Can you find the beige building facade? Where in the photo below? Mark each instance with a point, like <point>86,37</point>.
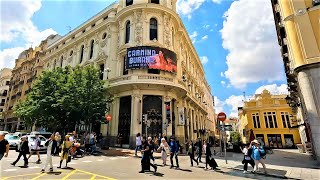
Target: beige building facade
<point>150,66</point>
<point>297,24</point>
<point>5,76</point>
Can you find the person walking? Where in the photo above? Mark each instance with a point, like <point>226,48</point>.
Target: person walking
<point>209,159</point>
<point>190,150</point>
<point>174,149</point>
<point>36,148</point>
<point>138,143</point>
<point>51,145</point>
<point>145,160</point>
<point>152,148</point>
<point>23,150</point>
<point>164,148</point>
<point>58,140</point>
<point>247,158</point>
<point>198,145</point>
<point>66,145</point>
<point>4,146</point>
<point>258,155</point>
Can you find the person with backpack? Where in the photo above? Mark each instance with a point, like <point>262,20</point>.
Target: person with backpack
<point>247,158</point>
<point>36,148</point>
<point>258,155</point>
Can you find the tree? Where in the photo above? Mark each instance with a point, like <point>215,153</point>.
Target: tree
<point>235,137</point>
<point>64,97</point>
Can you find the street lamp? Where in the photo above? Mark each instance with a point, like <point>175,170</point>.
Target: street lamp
<point>107,70</point>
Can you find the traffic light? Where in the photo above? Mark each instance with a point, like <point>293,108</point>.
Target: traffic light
<point>144,118</point>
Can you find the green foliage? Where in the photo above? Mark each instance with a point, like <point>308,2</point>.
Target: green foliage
<point>236,137</point>
<point>62,98</point>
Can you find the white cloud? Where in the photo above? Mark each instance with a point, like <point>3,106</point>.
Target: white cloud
<point>221,74</point>
<point>249,35</point>
<point>218,105</point>
<point>205,37</point>
<point>193,36</point>
<point>207,26</point>
<point>204,59</point>
<point>186,7</point>
<point>16,25</point>
<point>273,88</point>
<point>234,102</point>
<point>217,1</point>
<point>223,82</point>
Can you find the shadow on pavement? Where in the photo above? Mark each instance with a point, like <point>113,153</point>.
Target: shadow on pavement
<point>54,173</point>
<point>270,171</point>
<point>155,174</point>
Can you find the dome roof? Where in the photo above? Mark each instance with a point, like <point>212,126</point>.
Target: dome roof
<point>22,55</point>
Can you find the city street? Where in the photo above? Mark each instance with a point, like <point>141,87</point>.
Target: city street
<point>108,166</point>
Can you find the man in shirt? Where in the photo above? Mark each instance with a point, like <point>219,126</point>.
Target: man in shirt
<point>4,146</point>
<point>51,147</point>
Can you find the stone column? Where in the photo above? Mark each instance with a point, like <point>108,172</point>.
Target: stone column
<point>136,126</point>
<point>113,126</point>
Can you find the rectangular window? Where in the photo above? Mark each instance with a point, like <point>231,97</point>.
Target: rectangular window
<point>285,117</point>
<point>266,120</point>
<point>270,120</point>
<point>256,120</point>
<point>7,82</point>
<point>125,70</point>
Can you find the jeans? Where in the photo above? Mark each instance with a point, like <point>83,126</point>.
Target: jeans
<point>24,158</point>
<point>49,161</point>
<point>138,147</point>
<point>199,156</point>
<point>171,158</point>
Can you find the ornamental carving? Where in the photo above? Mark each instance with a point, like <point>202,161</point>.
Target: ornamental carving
<point>166,25</point>
<point>138,28</point>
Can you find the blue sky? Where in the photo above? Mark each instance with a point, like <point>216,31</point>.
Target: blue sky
<point>236,40</point>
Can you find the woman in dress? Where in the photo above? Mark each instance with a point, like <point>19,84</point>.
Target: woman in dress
<point>164,147</point>
<point>66,145</point>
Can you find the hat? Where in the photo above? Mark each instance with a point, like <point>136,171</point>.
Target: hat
<point>256,141</point>
<point>149,138</point>
<point>2,133</point>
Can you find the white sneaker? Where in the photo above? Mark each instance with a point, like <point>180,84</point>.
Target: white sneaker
<point>245,172</point>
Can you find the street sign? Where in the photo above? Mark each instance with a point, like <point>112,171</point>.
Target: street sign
<point>222,116</point>
<point>108,117</point>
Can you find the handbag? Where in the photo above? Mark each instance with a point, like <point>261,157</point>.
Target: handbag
<point>69,158</point>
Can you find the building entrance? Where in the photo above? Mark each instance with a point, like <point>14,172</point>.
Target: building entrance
<point>124,120</point>
<point>152,106</point>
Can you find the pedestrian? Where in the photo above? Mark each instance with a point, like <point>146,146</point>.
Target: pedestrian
<point>152,148</point>
<point>87,142</point>
<point>23,150</point>
<point>51,145</point>
<point>174,149</point>
<point>4,146</point>
<point>209,159</point>
<point>138,143</point>
<point>58,140</point>
<point>156,142</point>
<point>93,142</point>
<point>145,160</point>
<point>164,148</point>
<point>36,148</point>
<point>65,152</point>
<point>199,147</point>
<point>247,158</point>
<point>258,154</point>
<point>164,136</point>
<point>190,150</point>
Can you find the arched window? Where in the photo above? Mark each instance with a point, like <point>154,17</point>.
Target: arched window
<point>61,61</point>
<point>91,49</point>
<point>81,53</point>
<point>127,32</point>
<point>153,29</point>
<point>155,1</point>
<point>129,2</point>
<point>54,63</point>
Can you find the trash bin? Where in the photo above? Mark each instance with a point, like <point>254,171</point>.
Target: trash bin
<point>301,148</point>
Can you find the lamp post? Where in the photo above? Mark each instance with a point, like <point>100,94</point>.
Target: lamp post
<point>107,70</point>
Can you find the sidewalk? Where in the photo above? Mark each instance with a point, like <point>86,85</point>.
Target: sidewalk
<point>280,164</point>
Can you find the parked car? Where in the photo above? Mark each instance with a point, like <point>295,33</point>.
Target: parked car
<point>45,134</point>
<point>20,134</point>
<point>13,140</point>
<point>31,139</point>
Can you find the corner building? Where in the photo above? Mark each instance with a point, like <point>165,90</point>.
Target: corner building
<point>150,66</point>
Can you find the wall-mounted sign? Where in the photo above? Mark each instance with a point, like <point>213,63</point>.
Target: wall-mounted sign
<point>181,116</point>
<point>150,57</point>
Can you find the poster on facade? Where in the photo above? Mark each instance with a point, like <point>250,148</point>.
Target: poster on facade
<point>150,57</point>
<point>181,121</point>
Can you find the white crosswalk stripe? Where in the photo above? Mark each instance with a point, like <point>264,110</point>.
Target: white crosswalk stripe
<point>113,158</point>
<point>7,170</point>
<point>100,160</point>
<point>86,161</point>
<point>34,167</point>
<point>72,163</point>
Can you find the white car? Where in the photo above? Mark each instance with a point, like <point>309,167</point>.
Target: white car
<point>13,140</point>
<point>31,139</point>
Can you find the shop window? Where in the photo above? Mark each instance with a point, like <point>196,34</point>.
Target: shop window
<point>81,53</point>
<point>275,140</point>
<point>129,2</point>
<point>127,32</point>
<point>153,29</point>
<point>91,49</point>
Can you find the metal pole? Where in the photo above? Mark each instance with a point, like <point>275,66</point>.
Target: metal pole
<point>224,144</point>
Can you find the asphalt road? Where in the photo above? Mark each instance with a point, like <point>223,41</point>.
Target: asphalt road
<point>113,167</point>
